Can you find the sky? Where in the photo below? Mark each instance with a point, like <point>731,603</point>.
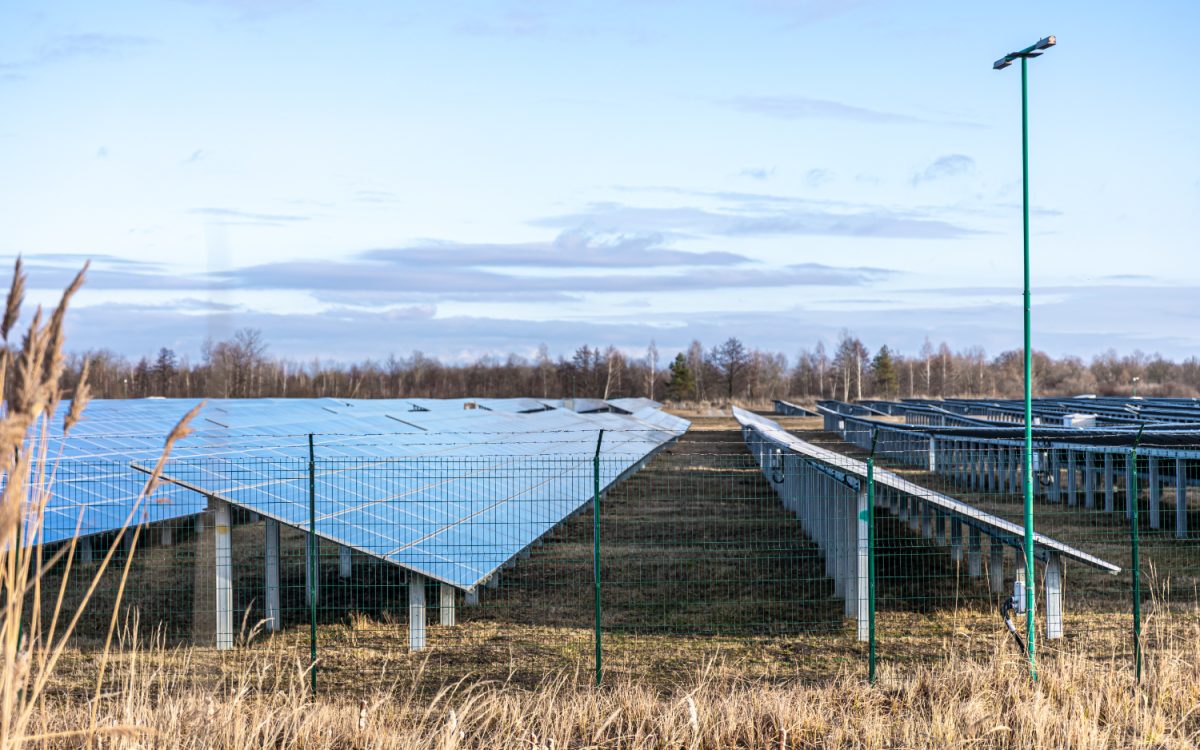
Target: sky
<point>363,179</point>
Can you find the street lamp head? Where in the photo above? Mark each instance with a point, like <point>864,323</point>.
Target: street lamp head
<point>1030,51</point>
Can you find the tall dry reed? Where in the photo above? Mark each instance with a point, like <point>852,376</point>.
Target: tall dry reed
<point>30,646</point>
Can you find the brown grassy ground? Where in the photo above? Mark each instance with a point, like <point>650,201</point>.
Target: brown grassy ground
<point>957,703</point>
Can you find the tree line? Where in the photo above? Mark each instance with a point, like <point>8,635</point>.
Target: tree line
<point>242,367</point>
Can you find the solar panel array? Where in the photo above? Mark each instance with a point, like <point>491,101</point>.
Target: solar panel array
<point>451,489</point>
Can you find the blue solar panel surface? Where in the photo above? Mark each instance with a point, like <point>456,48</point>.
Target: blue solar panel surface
<point>452,489</point>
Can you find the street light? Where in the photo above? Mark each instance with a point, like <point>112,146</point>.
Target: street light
<point>1033,50</point>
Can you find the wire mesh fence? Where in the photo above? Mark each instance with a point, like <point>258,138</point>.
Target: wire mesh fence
<point>789,550</point>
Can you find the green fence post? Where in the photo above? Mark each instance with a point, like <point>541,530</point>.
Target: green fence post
<point>596,550</point>
<point>1135,562</point>
<point>871,558</point>
<point>313,565</point>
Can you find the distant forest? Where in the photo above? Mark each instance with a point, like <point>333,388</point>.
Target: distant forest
<point>243,367</point>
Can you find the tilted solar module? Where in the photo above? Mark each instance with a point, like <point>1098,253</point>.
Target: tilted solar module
<point>447,491</point>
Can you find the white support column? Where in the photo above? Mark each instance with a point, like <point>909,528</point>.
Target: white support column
<point>995,566</point>
<point>199,524</point>
<point>1054,597</point>
<point>975,552</point>
<point>166,537</point>
<point>1089,480</point>
<point>926,521</point>
<point>1155,495</point>
<point>939,526</point>
<point>416,611</point>
<point>1072,479</point>
<point>1130,497</point>
<point>956,544</point>
<point>1053,491</point>
<point>914,513</point>
<point>224,574</point>
<point>345,562</point>
<point>846,530</point>
<point>991,470</point>
<point>1002,487</point>
<point>1015,470</point>
<point>446,614</point>
<point>271,559</point>
<point>1019,580</point>
<point>1109,483</point>
<point>1181,521</point>
<point>933,448</point>
<point>862,566</point>
<point>86,554</point>
<point>471,598</point>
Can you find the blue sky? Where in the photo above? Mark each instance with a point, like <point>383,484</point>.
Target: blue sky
<point>358,179</point>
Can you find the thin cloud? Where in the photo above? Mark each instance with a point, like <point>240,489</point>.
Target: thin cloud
<point>570,249</point>
<point>950,165</point>
<point>234,216</point>
<point>803,219</point>
<point>805,108</point>
<point>66,47</point>
<point>802,108</point>
<point>758,173</point>
<point>371,277</point>
<point>818,177</point>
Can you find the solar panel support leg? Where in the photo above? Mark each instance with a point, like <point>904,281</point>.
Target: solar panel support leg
<point>416,611</point>
<point>862,567</point>
<point>933,462</point>
<point>446,615</point>
<point>1054,491</point>
<point>471,598</point>
<point>1014,471</point>
<point>926,521</point>
<point>1089,480</point>
<point>271,573</point>
<point>1054,597</point>
<point>1019,581</point>
<point>165,537</point>
<point>848,539</point>
<point>995,565</point>
<point>224,574</point>
<point>345,562</point>
<point>1072,478</point>
<point>956,545</point>
<point>1155,495</point>
<point>1181,523</point>
<point>974,552</point>
<point>1130,497</point>
<point>1109,483</point>
<point>85,550</point>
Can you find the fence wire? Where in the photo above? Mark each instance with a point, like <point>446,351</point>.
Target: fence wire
<point>725,551</point>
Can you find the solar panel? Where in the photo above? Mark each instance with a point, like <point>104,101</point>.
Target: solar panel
<point>447,491</point>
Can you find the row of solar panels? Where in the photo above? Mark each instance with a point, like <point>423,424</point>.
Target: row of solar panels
<point>450,489</point>
<point>1109,411</point>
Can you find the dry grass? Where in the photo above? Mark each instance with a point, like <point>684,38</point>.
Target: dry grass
<point>978,703</point>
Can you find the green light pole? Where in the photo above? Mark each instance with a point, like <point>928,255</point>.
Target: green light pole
<point>1033,50</point>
